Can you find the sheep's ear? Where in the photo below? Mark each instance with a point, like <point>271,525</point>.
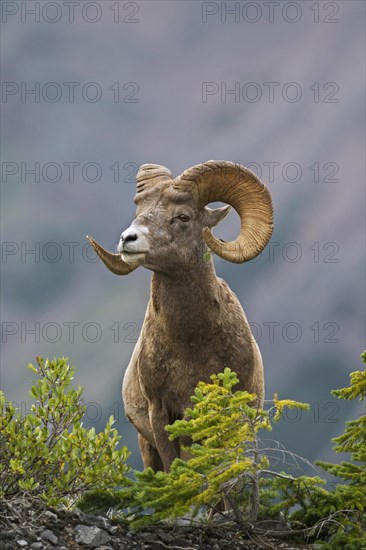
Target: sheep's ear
<point>214,216</point>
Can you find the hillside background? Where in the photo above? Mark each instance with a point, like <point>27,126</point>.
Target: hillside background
<point>307,286</point>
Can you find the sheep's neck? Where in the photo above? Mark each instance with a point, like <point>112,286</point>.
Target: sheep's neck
<point>187,304</point>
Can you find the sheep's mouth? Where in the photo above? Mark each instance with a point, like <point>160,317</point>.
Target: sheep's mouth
<point>133,256</point>
<point>133,252</point>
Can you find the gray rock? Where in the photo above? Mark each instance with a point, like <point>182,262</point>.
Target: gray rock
<point>91,535</point>
<point>36,546</point>
<point>48,536</point>
<point>50,515</point>
<point>182,521</point>
<point>183,543</point>
<point>99,521</point>
<point>104,521</point>
<point>166,537</point>
<point>25,532</point>
<point>22,543</point>
<point>147,537</point>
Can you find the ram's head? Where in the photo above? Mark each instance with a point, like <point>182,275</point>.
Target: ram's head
<point>173,224</point>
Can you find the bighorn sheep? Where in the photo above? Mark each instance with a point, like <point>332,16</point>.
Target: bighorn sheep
<point>194,324</point>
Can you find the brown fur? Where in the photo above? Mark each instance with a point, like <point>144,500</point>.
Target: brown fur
<point>194,325</point>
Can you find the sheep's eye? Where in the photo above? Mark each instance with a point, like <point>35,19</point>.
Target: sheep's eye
<point>184,218</point>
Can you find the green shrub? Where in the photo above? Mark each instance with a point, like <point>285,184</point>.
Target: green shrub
<point>336,519</point>
<point>226,464</point>
<point>346,505</point>
<point>47,454</point>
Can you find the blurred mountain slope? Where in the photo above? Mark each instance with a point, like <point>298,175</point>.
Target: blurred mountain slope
<point>169,54</point>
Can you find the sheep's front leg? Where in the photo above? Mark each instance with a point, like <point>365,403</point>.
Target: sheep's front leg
<point>149,454</point>
<point>168,450</point>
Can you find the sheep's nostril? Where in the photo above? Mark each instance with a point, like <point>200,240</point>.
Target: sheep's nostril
<point>129,238</point>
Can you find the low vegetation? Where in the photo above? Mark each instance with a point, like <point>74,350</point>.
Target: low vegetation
<point>48,459</point>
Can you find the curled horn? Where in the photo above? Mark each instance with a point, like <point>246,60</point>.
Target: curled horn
<point>151,176</point>
<point>148,177</point>
<point>114,262</point>
<point>236,185</point>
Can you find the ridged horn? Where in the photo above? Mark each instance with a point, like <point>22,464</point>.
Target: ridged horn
<point>114,262</point>
<point>232,183</point>
<point>151,175</point>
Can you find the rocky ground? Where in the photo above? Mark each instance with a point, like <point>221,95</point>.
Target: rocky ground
<point>76,530</point>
